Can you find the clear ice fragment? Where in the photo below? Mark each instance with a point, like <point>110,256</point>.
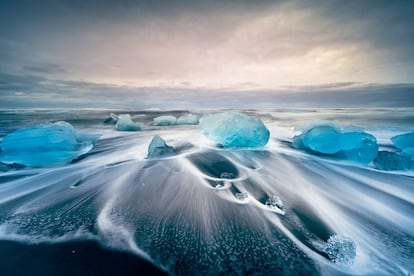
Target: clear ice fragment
<point>241,195</point>
<point>125,123</point>
<point>45,145</point>
<point>158,148</point>
<point>165,120</point>
<point>227,175</point>
<point>340,249</point>
<point>189,119</point>
<point>405,143</point>
<point>233,129</point>
<point>393,161</point>
<point>327,138</point>
<point>274,202</point>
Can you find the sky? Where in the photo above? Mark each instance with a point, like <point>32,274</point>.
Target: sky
<point>217,53</point>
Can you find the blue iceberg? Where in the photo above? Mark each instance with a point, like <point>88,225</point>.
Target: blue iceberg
<point>166,120</point>
<point>125,123</point>
<point>45,145</point>
<point>189,119</point>
<point>232,129</point>
<point>340,249</point>
<point>405,143</point>
<point>158,148</point>
<point>328,138</point>
<point>393,161</point>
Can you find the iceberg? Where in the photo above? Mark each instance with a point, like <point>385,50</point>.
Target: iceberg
<point>189,119</point>
<point>328,138</point>
<point>405,143</point>
<point>125,123</point>
<point>340,249</point>
<point>233,129</point>
<point>45,145</point>
<point>158,148</point>
<point>393,161</point>
<point>165,120</point>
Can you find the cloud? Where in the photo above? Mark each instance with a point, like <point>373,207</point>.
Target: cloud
<point>44,68</point>
<point>32,91</point>
<point>216,43</point>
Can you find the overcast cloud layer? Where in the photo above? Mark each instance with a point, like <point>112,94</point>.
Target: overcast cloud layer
<point>207,53</point>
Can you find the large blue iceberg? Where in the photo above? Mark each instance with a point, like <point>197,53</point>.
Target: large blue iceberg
<point>405,143</point>
<point>125,123</point>
<point>232,129</point>
<point>328,138</point>
<point>45,145</point>
<point>158,148</point>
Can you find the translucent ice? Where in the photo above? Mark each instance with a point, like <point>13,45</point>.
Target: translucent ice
<point>45,145</point>
<point>241,195</point>
<point>189,119</point>
<point>125,123</point>
<point>340,249</point>
<point>391,161</point>
<point>328,138</point>
<point>274,202</point>
<point>232,129</point>
<point>404,142</point>
<point>227,175</point>
<point>166,120</point>
<point>112,119</point>
<point>158,148</point>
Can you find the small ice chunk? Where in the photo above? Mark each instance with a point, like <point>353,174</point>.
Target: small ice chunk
<point>274,202</point>
<point>189,119</point>
<point>112,119</point>
<point>233,129</point>
<point>327,138</point>
<point>45,145</point>
<point>340,249</point>
<point>393,161</point>
<point>125,123</point>
<point>158,148</point>
<point>241,195</point>
<point>227,175</point>
<point>7,167</point>
<point>405,143</point>
<point>166,120</point>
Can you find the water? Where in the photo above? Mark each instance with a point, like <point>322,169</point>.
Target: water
<point>211,210</point>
